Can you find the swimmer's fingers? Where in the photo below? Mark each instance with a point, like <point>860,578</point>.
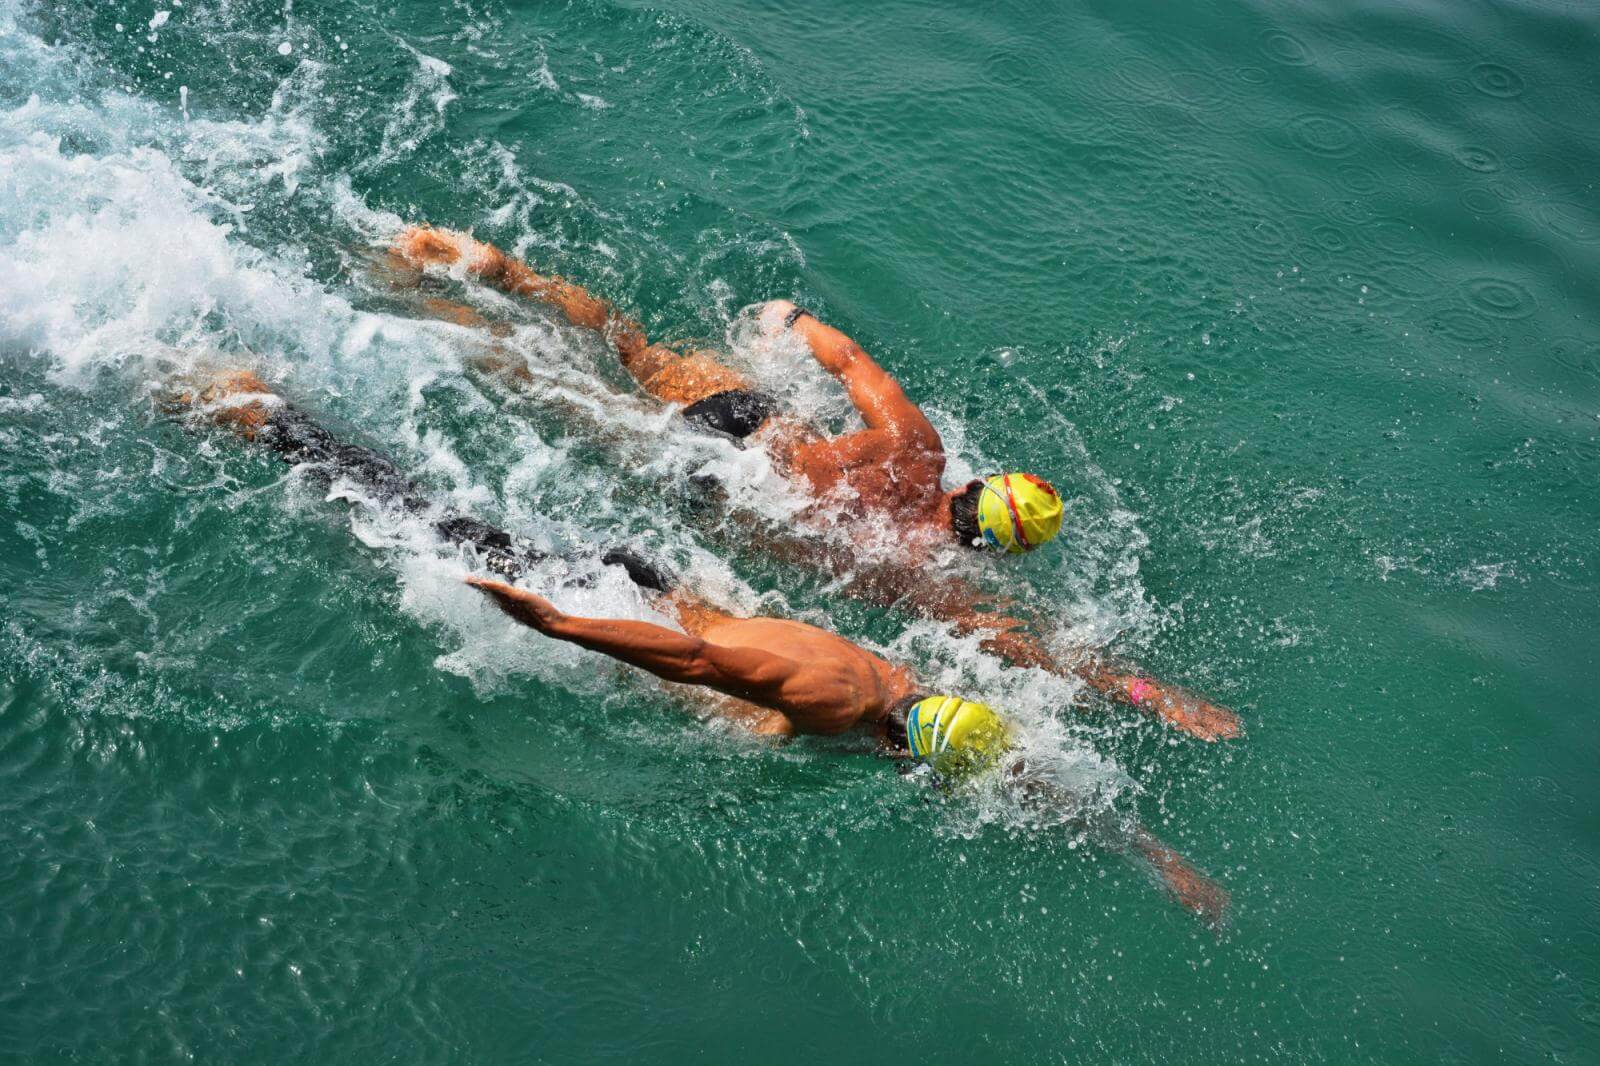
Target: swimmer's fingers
<point>423,246</point>
<point>526,607</point>
<point>1198,894</point>
<point>1197,717</point>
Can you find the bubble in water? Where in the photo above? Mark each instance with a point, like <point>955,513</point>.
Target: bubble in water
<point>1501,298</point>
<point>285,48</point>
<point>1492,79</point>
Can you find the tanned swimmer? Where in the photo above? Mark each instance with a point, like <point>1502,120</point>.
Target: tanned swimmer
<point>774,676</point>
<point>886,476</point>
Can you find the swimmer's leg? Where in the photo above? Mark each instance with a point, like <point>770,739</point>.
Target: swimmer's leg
<point>240,401</point>
<point>661,371</point>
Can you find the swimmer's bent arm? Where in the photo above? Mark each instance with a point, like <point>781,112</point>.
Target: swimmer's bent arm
<point>872,390</point>
<point>743,673</point>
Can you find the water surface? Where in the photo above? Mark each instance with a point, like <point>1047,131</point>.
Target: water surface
<point>1296,302</point>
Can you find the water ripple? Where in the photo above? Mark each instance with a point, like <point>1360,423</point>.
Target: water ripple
<point>1462,324</point>
<point>1577,356</point>
<point>1500,297</point>
<point>1285,48</point>
<point>1324,134</point>
<point>1569,219</point>
<point>1007,68</point>
<point>1495,80</point>
<point>1477,158</point>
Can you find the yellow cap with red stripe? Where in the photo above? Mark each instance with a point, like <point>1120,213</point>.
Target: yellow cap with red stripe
<point>1018,512</point>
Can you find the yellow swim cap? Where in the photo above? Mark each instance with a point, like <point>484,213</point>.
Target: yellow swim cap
<point>955,735</point>
<point>1018,512</point>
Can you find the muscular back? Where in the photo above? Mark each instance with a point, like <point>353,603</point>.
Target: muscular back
<point>837,684</point>
<point>874,472</point>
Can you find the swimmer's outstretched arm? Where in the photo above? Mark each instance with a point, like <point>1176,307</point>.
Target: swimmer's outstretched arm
<point>1191,888</point>
<point>1171,703</point>
<point>970,610</point>
<point>744,673</point>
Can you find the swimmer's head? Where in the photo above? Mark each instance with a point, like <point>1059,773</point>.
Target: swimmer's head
<point>1013,512</point>
<point>953,735</point>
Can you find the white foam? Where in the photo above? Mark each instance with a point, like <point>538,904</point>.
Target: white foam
<point>133,249</point>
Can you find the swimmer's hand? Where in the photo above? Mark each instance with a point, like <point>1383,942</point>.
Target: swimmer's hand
<point>1192,889</point>
<point>772,317</point>
<point>1186,711</point>
<point>531,610</point>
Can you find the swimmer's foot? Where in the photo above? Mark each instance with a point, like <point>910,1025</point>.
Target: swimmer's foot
<point>232,398</point>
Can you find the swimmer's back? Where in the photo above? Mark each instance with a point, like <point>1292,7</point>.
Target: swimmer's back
<point>840,684</point>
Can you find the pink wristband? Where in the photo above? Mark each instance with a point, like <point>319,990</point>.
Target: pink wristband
<point>1141,690</point>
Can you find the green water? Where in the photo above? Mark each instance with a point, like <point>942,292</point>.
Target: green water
<point>1296,302</point>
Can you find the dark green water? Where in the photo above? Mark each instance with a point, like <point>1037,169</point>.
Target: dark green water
<point>1297,302</point>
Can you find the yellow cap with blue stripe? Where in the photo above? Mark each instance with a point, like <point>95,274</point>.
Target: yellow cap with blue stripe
<point>954,735</point>
<point>1018,512</point>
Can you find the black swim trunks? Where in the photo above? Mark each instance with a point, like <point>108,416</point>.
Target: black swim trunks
<point>736,413</point>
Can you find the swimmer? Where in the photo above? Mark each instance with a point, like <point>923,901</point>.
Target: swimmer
<point>780,677</point>
<point>887,476</point>
<point>773,676</point>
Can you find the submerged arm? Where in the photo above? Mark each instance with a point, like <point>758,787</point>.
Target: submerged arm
<point>1193,890</point>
